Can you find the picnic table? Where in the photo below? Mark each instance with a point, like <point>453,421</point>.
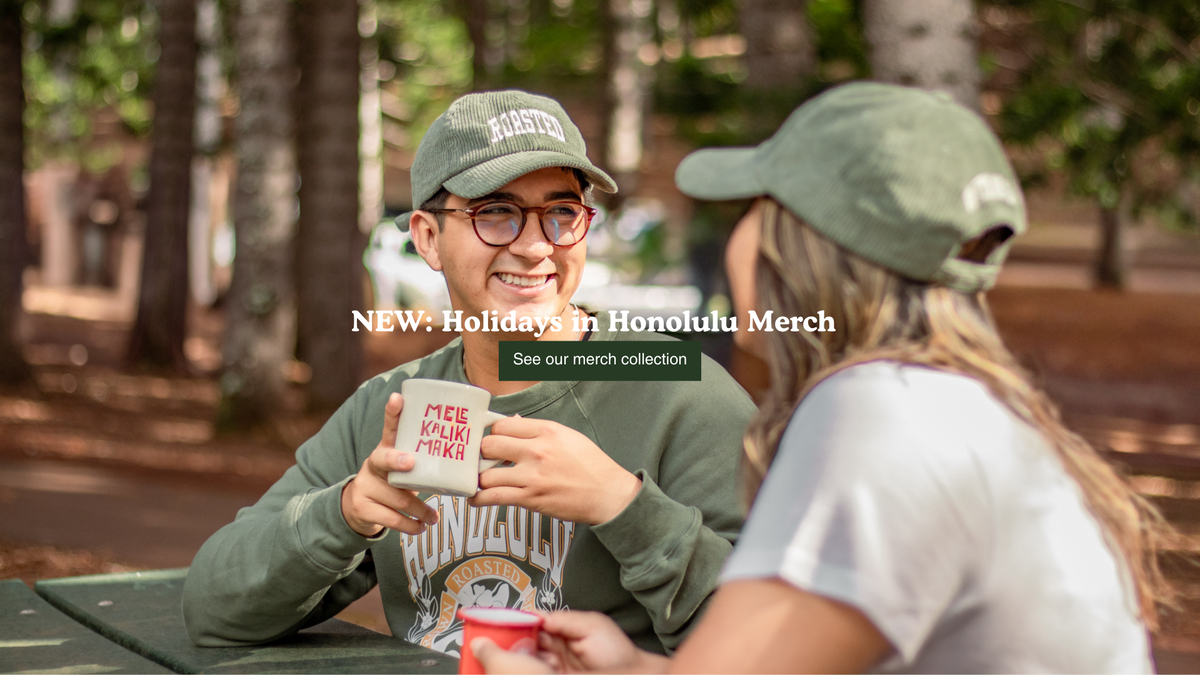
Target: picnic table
<point>132,623</point>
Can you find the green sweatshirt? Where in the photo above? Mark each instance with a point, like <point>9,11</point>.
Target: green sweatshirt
<point>291,560</point>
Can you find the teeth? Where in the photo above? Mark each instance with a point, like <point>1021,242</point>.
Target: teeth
<point>522,281</point>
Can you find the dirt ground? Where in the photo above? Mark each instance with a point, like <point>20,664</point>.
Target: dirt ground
<point>1124,367</point>
<point>1129,355</point>
<point>30,562</point>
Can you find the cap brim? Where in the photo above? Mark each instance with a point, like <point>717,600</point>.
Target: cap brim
<point>403,219</point>
<point>719,174</point>
<point>494,174</point>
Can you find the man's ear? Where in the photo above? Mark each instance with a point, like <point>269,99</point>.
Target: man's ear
<point>423,227</point>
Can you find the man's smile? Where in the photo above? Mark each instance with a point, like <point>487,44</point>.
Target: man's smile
<point>525,281</point>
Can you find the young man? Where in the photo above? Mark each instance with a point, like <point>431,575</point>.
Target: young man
<point>621,497</point>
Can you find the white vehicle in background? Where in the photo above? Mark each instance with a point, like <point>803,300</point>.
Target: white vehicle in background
<point>600,293</point>
<point>400,279</point>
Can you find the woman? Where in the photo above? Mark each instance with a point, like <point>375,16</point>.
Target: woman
<point>924,510</point>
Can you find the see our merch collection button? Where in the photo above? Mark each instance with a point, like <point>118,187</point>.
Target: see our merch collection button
<point>626,361</point>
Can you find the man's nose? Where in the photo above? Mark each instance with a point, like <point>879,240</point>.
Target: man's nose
<point>532,242</point>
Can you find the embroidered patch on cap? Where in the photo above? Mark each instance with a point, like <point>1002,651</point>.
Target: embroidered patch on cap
<point>988,187</point>
<point>525,121</point>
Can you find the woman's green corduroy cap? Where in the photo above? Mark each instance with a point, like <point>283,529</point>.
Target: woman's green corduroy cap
<point>900,176</point>
<point>487,140</point>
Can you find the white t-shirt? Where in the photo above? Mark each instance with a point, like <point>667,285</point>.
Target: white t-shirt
<point>914,496</point>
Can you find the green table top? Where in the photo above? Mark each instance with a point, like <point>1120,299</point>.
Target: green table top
<point>37,638</point>
<point>141,611</point>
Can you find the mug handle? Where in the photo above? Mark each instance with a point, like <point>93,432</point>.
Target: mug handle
<point>490,418</point>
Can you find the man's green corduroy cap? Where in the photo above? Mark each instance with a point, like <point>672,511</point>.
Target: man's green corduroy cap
<point>487,140</point>
<point>899,176</point>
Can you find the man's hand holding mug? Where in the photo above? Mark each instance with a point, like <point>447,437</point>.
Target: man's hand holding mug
<point>369,504</point>
<point>436,446</point>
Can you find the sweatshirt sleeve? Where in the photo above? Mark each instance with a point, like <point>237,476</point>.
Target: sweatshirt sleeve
<point>672,540</point>
<point>289,561</point>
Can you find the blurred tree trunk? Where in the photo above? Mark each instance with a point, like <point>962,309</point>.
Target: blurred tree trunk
<point>627,27</point>
<point>1111,268</point>
<point>541,12</point>
<point>13,244</point>
<point>61,252</point>
<point>260,333</point>
<point>370,115</point>
<point>779,44</point>
<point>780,59</point>
<point>474,14</point>
<point>210,87</point>
<point>925,43</point>
<point>329,245</point>
<point>516,30</point>
<point>161,324</point>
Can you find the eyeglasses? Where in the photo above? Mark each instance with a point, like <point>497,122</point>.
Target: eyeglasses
<point>500,223</point>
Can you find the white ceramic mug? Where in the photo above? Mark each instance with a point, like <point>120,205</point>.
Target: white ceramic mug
<point>442,423</point>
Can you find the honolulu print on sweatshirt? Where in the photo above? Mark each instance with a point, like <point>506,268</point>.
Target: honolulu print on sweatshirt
<point>495,556</point>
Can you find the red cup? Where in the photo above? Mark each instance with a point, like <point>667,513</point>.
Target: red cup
<point>511,629</point>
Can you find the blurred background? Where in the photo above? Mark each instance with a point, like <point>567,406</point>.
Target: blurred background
<point>196,194</point>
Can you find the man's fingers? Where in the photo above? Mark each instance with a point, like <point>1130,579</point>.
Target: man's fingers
<point>367,507</point>
<point>391,419</point>
<point>402,461</point>
<point>400,501</point>
<point>386,459</point>
<point>509,496</point>
<point>507,448</point>
<point>504,476</point>
<point>393,520</point>
<point>520,427</point>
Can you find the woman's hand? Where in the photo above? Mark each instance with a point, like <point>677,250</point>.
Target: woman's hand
<point>573,642</point>
<point>496,660</point>
<point>589,642</point>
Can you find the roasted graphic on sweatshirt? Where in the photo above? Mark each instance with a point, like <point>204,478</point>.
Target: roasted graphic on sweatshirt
<point>494,556</point>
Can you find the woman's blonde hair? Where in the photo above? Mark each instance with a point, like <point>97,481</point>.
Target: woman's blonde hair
<point>881,315</point>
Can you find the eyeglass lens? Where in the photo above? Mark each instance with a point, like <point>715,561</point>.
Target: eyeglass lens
<point>499,224</point>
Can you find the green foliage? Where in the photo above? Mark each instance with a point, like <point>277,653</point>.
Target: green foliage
<point>1111,98</point>
<point>95,64</point>
<point>431,55</point>
<point>706,96</point>
<point>703,101</point>
<point>709,17</point>
<point>556,47</point>
<point>560,54</point>
<point>712,108</point>
<point>649,255</point>
<point>841,47</point>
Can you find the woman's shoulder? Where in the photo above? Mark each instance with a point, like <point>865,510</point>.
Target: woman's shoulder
<point>886,377</point>
<point>885,413</point>
<point>889,390</point>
